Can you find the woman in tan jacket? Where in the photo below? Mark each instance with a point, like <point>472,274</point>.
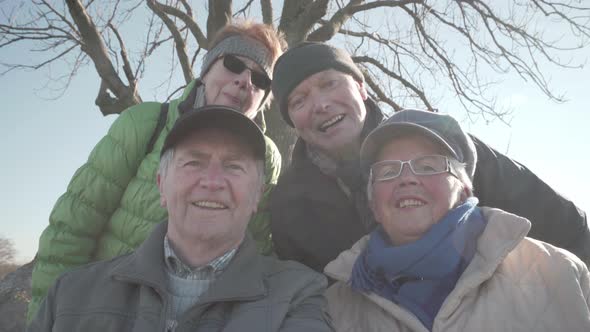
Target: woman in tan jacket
<point>438,262</point>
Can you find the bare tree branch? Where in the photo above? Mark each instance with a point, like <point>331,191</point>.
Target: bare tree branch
<point>378,4</point>
<point>39,65</point>
<point>179,43</point>
<point>266,6</point>
<point>299,17</point>
<point>58,14</point>
<point>244,9</point>
<point>188,20</point>
<point>411,51</point>
<point>175,92</point>
<point>126,66</point>
<point>220,13</point>
<point>331,28</point>
<point>93,45</point>
<point>380,95</point>
<point>397,77</point>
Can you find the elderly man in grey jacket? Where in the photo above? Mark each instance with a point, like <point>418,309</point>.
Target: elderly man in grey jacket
<point>199,271</point>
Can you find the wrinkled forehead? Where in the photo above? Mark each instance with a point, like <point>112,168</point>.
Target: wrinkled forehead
<point>218,141</point>
<point>314,81</point>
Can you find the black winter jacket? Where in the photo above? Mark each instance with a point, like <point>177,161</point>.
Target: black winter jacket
<point>312,220</point>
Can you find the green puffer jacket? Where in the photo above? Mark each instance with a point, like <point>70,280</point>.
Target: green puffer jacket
<point>112,202</point>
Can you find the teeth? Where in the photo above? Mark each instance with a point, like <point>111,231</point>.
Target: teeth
<point>330,122</point>
<point>209,205</point>
<point>409,203</point>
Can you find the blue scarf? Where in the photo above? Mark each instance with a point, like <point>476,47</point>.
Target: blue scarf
<point>420,275</point>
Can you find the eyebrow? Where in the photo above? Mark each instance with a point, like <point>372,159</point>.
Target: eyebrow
<point>231,156</point>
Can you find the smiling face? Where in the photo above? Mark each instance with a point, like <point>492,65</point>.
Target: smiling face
<point>328,112</point>
<point>223,87</point>
<point>409,205</point>
<point>210,188</point>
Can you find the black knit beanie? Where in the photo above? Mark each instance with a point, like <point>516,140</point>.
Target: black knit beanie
<point>304,60</point>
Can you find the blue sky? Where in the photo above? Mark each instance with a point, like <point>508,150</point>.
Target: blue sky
<point>44,141</point>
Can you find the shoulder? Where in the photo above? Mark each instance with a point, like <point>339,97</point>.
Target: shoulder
<point>273,161</point>
<point>547,260</point>
<point>294,187</point>
<point>140,117</point>
<point>270,145</point>
<point>504,244</point>
<point>272,151</point>
<point>141,111</point>
<point>280,273</point>
<point>301,175</point>
<point>342,300</point>
<point>354,311</point>
<point>275,267</point>
<point>543,278</point>
<point>523,260</point>
<point>94,275</point>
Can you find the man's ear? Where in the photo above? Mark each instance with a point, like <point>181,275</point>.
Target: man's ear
<point>363,90</point>
<point>159,182</point>
<point>259,194</point>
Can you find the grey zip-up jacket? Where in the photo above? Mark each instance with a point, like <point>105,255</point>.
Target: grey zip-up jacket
<point>128,293</point>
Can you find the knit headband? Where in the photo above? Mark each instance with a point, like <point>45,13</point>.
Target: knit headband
<point>243,46</point>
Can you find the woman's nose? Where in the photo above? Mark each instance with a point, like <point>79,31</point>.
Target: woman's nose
<point>407,176</point>
<point>244,79</point>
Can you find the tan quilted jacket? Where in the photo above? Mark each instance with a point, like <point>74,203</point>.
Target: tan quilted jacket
<point>513,283</point>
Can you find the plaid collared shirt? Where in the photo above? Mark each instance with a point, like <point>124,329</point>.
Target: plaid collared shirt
<point>207,272</point>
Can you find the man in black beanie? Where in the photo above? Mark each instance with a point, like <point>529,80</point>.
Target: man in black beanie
<point>319,207</point>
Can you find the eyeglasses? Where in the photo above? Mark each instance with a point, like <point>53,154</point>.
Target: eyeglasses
<point>425,165</point>
<point>237,66</point>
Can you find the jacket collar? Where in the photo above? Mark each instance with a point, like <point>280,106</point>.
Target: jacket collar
<point>502,234</point>
<point>188,96</point>
<point>341,267</point>
<point>242,279</point>
<point>146,264</point>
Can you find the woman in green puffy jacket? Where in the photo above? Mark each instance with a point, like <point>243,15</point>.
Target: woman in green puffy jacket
<point>112,201</point>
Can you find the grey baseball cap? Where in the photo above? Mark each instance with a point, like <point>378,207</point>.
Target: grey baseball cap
<point>221,117</point>
<point>441,128</point>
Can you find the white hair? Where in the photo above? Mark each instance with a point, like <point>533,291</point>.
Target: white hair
<point>165,161</point>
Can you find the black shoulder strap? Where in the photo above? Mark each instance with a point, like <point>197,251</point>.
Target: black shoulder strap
<point>159,127</point>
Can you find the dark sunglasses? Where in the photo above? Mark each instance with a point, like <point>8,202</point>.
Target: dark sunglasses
<point>237,66</point>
